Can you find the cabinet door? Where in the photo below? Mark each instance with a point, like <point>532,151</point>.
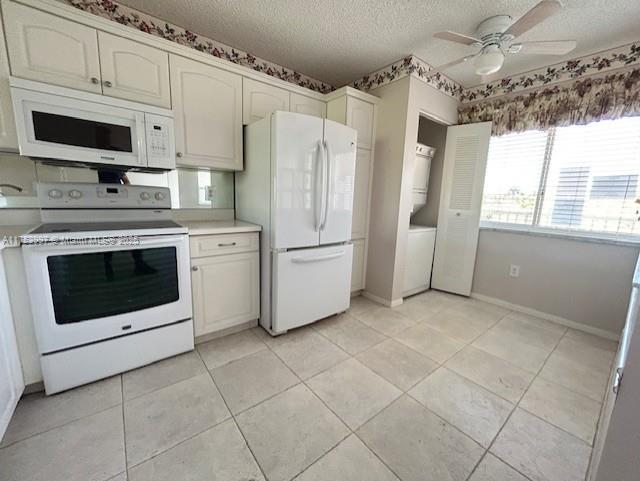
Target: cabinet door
<point>307,105</point>
<point>51,49</point>
<point>360,117</point>
<point>8,137</point>
<point>133,71</point>
<point>359,227</point>
<point>11,380</point>
<point>465,162</point>
<point>357,269</point>
<point>225,291</point>
<point>259,100</point>
<point>207,104</point>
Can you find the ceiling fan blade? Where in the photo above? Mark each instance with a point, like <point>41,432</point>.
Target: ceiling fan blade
<point>552,47</point>
<point>533,17</point>
<point>445,66</point>
<point>456,37</point>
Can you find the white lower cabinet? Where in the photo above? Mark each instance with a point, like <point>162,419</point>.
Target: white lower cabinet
<point>357,269</point>
<point>225,286</point>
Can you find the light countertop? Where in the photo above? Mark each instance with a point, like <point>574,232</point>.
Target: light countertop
<point>219,227</point>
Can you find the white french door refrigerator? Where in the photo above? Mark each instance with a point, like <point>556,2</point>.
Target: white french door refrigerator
<point>298,185</point>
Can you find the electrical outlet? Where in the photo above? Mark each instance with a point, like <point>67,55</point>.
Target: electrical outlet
<point>514,271</point>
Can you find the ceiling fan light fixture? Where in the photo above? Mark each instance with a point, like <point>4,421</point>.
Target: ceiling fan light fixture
<point>489,61</point>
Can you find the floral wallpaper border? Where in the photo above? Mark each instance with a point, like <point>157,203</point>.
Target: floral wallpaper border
<point>574,69</point>
<point>410,65</point>
<point>146,23</point>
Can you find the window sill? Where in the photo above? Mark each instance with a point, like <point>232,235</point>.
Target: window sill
<point>561,234</point>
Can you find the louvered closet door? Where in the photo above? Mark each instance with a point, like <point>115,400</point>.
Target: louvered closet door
<point>460,202</point>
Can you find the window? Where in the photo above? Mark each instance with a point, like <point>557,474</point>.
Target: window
<point>581,178</point>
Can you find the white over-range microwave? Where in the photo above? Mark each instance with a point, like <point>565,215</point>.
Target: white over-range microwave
<point>70,125</point>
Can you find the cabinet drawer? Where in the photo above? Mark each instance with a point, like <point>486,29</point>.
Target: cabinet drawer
<point>220,244</point>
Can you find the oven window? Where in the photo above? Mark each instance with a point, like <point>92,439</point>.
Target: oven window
<point>90,286</point>
<point>61,129</point>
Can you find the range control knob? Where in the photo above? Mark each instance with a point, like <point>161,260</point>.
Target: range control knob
<point>145,196</point>
<point>55,193</point>
<point>75,194</point>
<point>159,196</point>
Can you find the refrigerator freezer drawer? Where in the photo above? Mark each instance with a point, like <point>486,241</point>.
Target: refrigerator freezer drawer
<point>310,284</point>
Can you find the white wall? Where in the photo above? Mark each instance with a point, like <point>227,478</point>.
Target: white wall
<point>581,281</point>
<point>402,103</point>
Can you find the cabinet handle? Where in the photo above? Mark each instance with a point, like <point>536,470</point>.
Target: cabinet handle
<point>107,83</point>
<point>178,154</point>
<point>94,80</point>
<point>194,268</point>
<point>228,244</point>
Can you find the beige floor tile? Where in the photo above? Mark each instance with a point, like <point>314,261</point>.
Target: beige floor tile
<point>161,374</point>
<point>89,449</point>
<point>384,320</point>
<point>349,333</point>
<point>290,431</point>
<point>398,364</point>
<point>513,348</point>
<point>119,477</point>
<point>252,379</point>
<point>219,454</point>
<point>586,353</point>
<point>568,410</point>
<point>541,451</point>
<point>229,348</point>
<point>161,419</point>
<point>353,392</point>
<point>492,469</point>
<point>361,304</point>
<point>37,413</point>
<point>495,374</point>
<point>430,342</point>
<point>419,446</point>
<point>351,460</point>
<point>479,311</point>
<point>576,376</point>
<point>532,330</point>
<point>467,406</point>
<point>308,353</point>
<point>455,325</point>
<point>594,341</point>
<point>418,307</point>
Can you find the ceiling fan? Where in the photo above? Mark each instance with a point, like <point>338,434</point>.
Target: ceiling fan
<point>495,38</point>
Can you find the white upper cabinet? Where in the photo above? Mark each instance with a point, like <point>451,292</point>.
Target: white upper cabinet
<point>361,194</point>
<point>50,49</point>
<point>360,117</point>
<point>133,71</point>
<point>306,105</point>
<point>8,137</point>
<point>207,104</point>
<point>260,99</point>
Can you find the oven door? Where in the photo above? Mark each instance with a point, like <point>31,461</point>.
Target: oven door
<point>81,295</point>
<point>57,127</point>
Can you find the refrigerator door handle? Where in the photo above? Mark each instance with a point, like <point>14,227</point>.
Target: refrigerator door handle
<point>318,197</point>
<point>327,181</point>
<point>326,257</point>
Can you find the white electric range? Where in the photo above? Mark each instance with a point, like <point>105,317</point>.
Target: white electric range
<point>109,281</point>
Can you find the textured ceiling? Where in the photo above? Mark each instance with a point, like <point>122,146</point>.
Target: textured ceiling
<point>338,41</point>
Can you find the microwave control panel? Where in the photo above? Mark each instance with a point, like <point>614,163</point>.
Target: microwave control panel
<point>160,139</point>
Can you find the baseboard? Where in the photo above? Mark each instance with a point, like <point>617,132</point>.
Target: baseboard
<point>381,300</point>
<point>548,317</point>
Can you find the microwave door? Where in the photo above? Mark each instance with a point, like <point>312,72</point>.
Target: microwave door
<point>76,130</point>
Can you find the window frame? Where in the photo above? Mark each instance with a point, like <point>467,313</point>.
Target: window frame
<point>534,228</point>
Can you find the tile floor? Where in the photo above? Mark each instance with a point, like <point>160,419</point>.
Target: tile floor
<point>441,388</point>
